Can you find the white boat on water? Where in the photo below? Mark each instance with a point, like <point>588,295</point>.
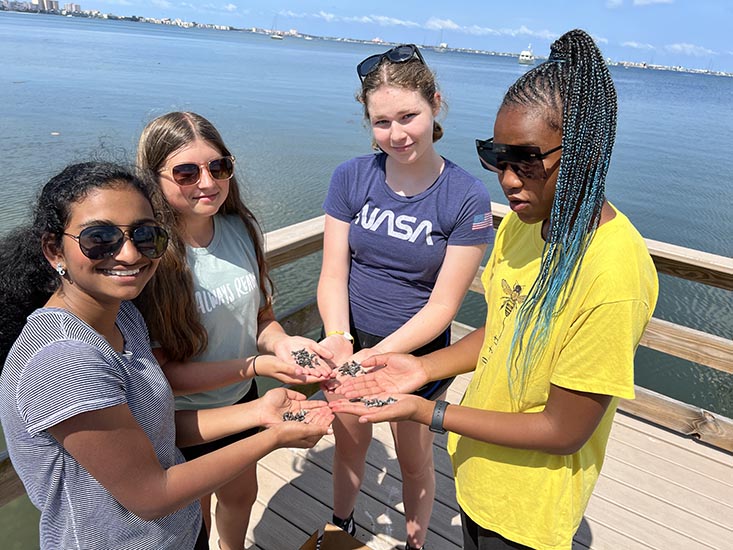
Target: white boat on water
<point>526,57</point>
<point>274,34</point>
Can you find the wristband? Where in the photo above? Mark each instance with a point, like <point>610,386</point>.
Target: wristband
<point>343,333</point>
<point>436,424</point>
<point>254,362</point>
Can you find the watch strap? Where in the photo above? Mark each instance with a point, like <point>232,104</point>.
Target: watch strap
<point>436,424</point>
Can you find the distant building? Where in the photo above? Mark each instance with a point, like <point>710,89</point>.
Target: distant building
<point>44,5</point>
<point>72,8</point>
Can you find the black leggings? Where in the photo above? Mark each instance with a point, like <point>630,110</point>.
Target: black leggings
<point>205,448</point>
<point>431,390</point>
<point>476,537</point>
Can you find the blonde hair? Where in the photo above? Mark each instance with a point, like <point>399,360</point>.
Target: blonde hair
<point>167,303</point>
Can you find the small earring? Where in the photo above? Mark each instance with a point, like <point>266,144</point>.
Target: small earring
<point>60,269</point>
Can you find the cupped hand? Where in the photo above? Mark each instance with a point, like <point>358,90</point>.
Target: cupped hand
<point>387,373</point>
<point>287,348</point>
<point>407,407</point>
<point>304,434</point>
<point>278,401</point>
<point>288,372</point>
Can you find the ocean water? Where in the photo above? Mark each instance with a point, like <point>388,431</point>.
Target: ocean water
<point>74,89</point>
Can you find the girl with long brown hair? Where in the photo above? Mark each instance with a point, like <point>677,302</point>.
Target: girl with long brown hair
<point>210,307</point>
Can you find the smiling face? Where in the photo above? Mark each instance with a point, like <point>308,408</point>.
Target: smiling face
<point>402,122</point>
<point>110,280</point>
<point>531,199</point>
<point>202,199</point>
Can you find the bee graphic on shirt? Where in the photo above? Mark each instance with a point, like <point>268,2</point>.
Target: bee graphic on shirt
<point>512,297</point>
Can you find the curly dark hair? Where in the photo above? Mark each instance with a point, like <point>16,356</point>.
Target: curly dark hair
<point>26,277</point>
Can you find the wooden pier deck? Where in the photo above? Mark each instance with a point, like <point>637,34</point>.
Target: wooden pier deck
<point>658,490</point>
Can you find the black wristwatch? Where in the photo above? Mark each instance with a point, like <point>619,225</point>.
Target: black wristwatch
<point>436,424</point>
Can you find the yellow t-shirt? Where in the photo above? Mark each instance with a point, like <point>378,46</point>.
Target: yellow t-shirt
<point>532,497</point>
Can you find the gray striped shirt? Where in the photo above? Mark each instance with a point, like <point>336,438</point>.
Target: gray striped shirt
<point>60,367</point>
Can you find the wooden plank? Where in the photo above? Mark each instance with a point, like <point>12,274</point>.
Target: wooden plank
<point>379,519</point>
<point>668,487</point>
<point>276,476</point>
<point>639,446</point>
<point>690,344</point>
<point>382,481</point>
<point>382,434</point>
<point>651,515</point>
<point>270,531</point>
<point>690,264</point>
<point>662,476</point>
<point>681,417</point>
<point>624,422</point>
<point>627,530</point>
<point>599,535</point>
<point>295,241</point>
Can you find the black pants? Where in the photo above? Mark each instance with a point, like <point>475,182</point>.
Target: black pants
<point>205,448</point>
<point>431,390</point>
<point>476,537</point>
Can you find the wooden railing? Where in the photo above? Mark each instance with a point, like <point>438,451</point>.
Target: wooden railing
<point>299,240</point>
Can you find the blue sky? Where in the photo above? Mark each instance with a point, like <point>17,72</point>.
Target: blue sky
<point>691,33</point>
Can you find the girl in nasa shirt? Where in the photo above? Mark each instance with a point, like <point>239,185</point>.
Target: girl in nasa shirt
<point>405,232</point>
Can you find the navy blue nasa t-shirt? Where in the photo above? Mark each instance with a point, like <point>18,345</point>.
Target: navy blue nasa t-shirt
<point>398,243</point>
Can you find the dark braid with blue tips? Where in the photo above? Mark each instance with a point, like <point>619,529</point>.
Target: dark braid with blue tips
<point>574,92</point>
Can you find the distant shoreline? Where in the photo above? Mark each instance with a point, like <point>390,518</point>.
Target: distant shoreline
<point>95,14</point>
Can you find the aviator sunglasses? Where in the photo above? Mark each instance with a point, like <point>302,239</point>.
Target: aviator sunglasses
<point>189,173</point>
<point>524,160</point>
<point>102,241</point>
<point>398,54</point>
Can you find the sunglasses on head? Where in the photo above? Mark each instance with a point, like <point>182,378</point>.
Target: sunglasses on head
<point>524,160</point>
<point>102,241</point>
<point>398,54</point>
<point>189,173</point>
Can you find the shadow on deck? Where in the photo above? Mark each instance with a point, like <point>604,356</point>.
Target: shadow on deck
<point>657,490</point>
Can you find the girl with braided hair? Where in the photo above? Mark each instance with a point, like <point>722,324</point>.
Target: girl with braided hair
<point>570,288</point>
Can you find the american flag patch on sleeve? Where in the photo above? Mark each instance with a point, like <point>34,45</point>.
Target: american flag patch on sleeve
<point>482,221</point>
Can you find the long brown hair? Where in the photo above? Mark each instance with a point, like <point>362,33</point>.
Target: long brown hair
<point>167,303</point>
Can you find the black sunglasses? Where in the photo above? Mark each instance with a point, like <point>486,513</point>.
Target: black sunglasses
<point>524,160</point>
<point>398,54</point>
<point>190,172</point>
<point>102,241</point>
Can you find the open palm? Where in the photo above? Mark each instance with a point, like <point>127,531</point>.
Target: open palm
<point>388,373</point>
